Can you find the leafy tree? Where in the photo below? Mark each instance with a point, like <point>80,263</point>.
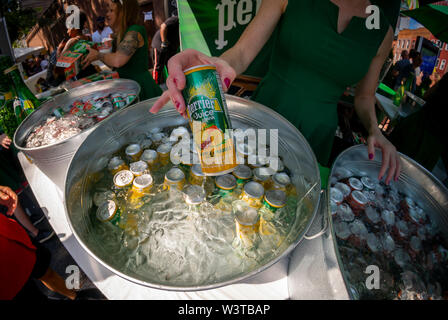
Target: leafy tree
<point>19,20</point>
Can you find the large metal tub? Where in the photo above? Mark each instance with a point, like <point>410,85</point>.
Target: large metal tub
<point>419,183</point>
<point>323,275</point>
<point>58,155</point>
<point>120,129</point>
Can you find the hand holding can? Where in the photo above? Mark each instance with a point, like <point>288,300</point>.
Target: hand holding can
<point>176,81</point>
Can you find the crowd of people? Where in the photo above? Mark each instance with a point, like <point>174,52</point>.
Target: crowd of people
<point>35,65</point>
<point>408,69</point>
<point>420,136</point>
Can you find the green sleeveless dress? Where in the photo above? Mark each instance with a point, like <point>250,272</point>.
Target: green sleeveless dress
<point>137,68</point>
<point>312,64</point>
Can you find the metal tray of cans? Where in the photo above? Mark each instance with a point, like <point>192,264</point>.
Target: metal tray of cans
<point>45,157</point>
<point>414,181</point>
<point>121,129</point>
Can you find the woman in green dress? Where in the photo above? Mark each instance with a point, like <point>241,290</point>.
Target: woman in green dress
<point>320,48</point>
<point>131,57</point>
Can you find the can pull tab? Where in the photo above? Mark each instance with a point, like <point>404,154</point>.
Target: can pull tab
<point>320,213</point>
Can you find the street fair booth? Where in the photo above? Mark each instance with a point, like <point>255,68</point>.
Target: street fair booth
<point>129,197</point>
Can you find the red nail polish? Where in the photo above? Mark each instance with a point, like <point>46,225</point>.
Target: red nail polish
<point>175,81</point>
<point>370,156</point>
<point>177,105</point>
<point>227,82</point>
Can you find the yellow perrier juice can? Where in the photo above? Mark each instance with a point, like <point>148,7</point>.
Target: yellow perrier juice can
<point>209,120</point>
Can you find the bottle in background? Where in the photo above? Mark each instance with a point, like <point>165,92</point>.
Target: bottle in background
<point>409,86</point>
<point>25,101</point>
<point>398,98</point>
<point>8,122</point>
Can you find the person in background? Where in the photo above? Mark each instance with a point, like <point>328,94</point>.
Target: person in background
<point>102,32</point>
<point>28,67</point>
<point>75,35</point>
<point>404,56</point>
<point>421,136</point>
<point>22,261</point>
<point>426,84</point>
<point>19,213</point>
<point>131,57</point>
<point>86,30</point>
<point>164,45</point>
<point>435,78</point>
<point>406,68</point>
<point>55,75</point>
<point>36,64</point>
<point>416,72</point>
<point>41,85</point>
<point>400,64</point>
<point>44,62</point>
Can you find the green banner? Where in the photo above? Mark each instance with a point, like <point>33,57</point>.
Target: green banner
<point>213,26</point>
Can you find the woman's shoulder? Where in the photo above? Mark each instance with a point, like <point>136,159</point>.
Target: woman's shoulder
<point>138,28</point>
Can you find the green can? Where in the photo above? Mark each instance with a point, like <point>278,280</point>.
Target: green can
<point>109,212</point>
<point>274,200</point>
<point>209,120</point>
<point>242,174</point>
<point>226,185</point>
<point>118,101</point>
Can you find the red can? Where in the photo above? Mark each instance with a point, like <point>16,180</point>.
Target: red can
<point>76,111</point>
<point>87,106</point>
<point>357,201</point>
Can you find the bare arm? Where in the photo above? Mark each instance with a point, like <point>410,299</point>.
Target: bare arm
<point>255,35</point>
<point>69,44</point>
<point>365,108</point>
<point>127,47</point>
<point>366,89</point>
<point>232,62</point>
<point>163,32</point>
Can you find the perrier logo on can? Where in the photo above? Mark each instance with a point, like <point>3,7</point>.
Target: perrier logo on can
<point>209,120</point>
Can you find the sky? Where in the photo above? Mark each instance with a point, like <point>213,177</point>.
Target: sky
<point>414,24</point>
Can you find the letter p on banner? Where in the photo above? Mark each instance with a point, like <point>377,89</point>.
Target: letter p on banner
<point>72,21</point>
<point>72,281</point>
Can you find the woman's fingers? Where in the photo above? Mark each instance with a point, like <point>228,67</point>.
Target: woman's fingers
<point>225,71</point>
<point>178,63</point>
<point>175,94</point>
<point>171,94</point>
<point>88,58</point>
<point>4,196</point>
<point>391,160</point>
<point>392,168</point>
<point>11,208</point>
<point>85,62</point>
<point>176,81</point>
<point>371,148</point>
<point>9,199</point>
<point>385,164</point>
<point>163,99</point>
<point>398,169</point>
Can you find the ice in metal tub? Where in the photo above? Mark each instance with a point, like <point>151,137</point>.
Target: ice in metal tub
<point>58,155</point>
<point>122,128</point>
